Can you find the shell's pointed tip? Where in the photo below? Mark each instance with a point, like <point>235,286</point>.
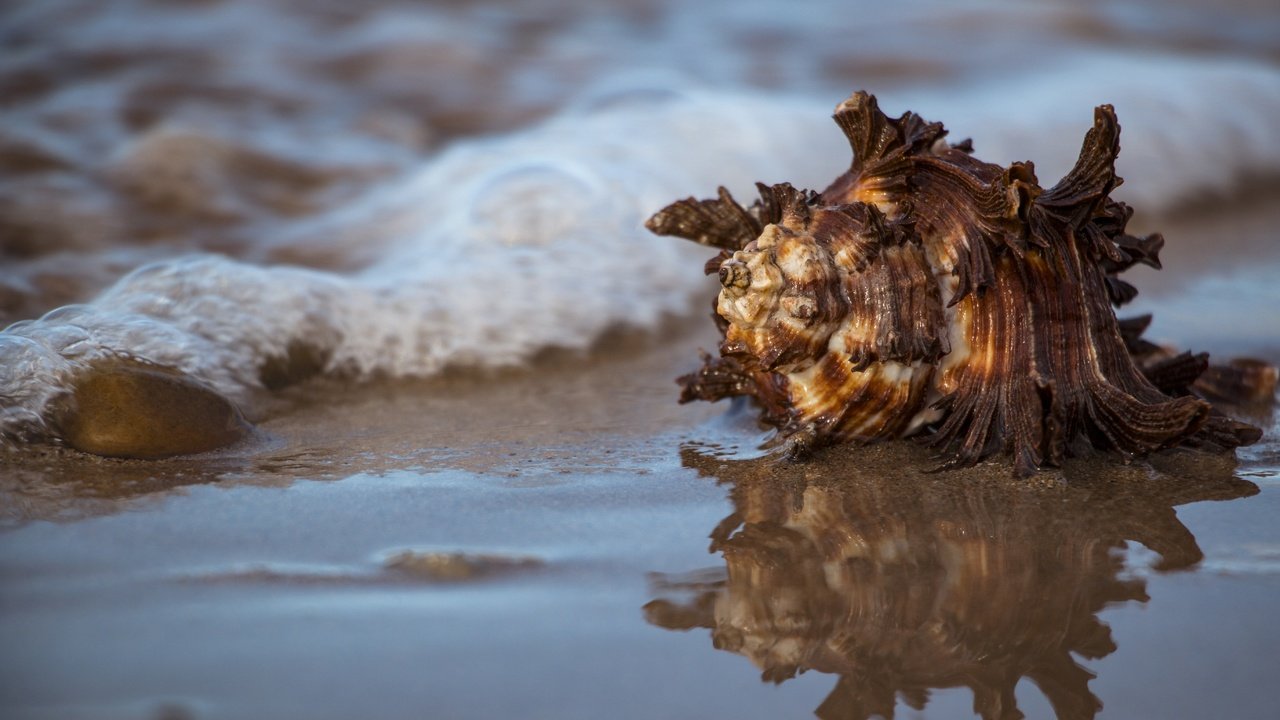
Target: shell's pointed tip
<point>1151,247</point>
<point>1247,434</point>
<point>1104,118</point>
<point>856,100</point>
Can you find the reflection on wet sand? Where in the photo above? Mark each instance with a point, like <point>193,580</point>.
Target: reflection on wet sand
<point>57,484</point>
<point>900,582</point>
<point>550,418</point>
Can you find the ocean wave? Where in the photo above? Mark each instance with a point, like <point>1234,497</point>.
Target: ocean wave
<point>500,247</point>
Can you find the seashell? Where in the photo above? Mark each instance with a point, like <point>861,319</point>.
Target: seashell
<point>928,291</point>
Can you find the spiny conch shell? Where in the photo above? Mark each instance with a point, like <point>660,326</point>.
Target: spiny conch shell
<point>926,290</point>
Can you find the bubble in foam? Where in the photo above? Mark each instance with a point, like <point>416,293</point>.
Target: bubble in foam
<point>532,204</point>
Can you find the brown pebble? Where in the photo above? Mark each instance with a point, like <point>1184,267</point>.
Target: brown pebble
<point>128,409</point>
<point>455,566</point>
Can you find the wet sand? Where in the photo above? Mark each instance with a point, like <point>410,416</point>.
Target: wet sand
<point>568,509</point>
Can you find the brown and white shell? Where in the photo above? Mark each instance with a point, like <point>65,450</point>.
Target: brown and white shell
<point>926,290</point>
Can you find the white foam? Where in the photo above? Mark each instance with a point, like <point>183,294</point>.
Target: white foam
<point>1189,126</point>
<point>494,250</point>
<point>500,247</point>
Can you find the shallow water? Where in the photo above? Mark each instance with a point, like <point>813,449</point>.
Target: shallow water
<point>441,204</point>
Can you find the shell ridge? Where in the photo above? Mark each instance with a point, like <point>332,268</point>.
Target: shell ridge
<point>894,310</point>
<point>1134,414</point>
<point>976,215</point>
<point>991,409</point>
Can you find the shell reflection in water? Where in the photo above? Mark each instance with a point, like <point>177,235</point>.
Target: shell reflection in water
<point>902,585</point>
<point>926,289</point>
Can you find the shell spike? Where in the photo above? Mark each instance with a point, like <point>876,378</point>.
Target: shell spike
<point>721,222</point>
<point>875,137</point>
<point>1080,195</point>
<point>782,201</point>
<point>869,131</point>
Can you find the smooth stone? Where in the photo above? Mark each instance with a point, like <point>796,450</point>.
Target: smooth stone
<point>127,409</point>
<point>456,566</point>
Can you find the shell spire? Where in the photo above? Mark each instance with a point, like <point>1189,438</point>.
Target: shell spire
<point>927,291</point>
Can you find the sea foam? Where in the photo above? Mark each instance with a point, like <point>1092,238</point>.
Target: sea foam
<point>499,247</point>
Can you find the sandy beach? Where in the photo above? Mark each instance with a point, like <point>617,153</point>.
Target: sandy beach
<point>553,535</point>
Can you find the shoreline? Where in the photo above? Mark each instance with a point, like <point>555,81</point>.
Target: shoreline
<point>619,392</point>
